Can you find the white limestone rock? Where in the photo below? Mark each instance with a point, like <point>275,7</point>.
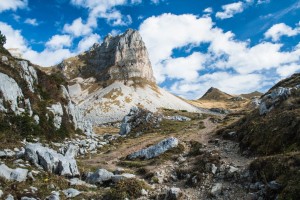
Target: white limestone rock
<point>29,74</point>
<point>71,192</point>
<point>270,100</point>
<point>58,113</point>
<point>54,196</point>
<point>1,193</point>
<point>11,93</point>
<point>50,160</point>
<point>72,151</point>
<point>99,177</point>
<point>216,189</point>
<point>177,118</point>
<point>117,178</point>
<point>155,150</point>
<point>77,115</point>
<point>78,182</point>
<point>9,174</point>
<point>9,197</point>
<point>7,153</point>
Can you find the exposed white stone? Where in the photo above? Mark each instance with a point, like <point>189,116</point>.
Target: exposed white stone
<point>7,153</point>
<point>174,193</point>
<point>216,189</point>
<point>1,193</point>
<point>11,93</point>
<point>214,168</point>
<point>72,151</point>
<point>70,193</point>
<point>270,100</point>
<point>79,120</point>
<point>28,198</point>
<point>9,197</point>
<point>117,178</point>
<point>4,59</point>
<point>28,106</point>
<point>178,118</point>
<point>77,181</point>
<point>98,177</point>
<point>54,196</point>
<point>50,160</point>
<point>155,150</point>
<point>58,113</point>
<point>9,174</point>
<point>36,119</point>
<point>29,74</point>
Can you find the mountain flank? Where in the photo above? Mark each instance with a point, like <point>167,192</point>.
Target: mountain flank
<point>112,77</point>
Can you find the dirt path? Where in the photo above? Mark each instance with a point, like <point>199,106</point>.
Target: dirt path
<point>130,145</point>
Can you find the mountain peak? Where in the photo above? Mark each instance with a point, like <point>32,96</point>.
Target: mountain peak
<point>119,58</point>
<point>215,94</point>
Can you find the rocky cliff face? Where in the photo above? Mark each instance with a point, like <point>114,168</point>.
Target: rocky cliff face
<point>120,58</point>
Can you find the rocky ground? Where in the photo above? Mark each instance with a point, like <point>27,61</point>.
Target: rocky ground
<point>177,159</point>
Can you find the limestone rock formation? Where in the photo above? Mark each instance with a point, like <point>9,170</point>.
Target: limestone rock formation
<point>112,77</point>
<point>122,57</point>
<point>155,150</point>
<point>50,160</point>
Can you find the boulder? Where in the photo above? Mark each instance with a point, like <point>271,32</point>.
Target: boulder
<point>174,193</point>
<point>117,178</point>
<point>99,177</point>
<point>54,196</point>
<point>139,119</point>
<point>155,150</point>
<point>1,193</point>
<point>9,197</point>
<point>9,174</point>
<point>77,181</point>
<point>50,160</point>
<point>216,189</point>
<point>70,193</point>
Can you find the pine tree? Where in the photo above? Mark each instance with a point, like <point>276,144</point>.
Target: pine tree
<point>2,39</point>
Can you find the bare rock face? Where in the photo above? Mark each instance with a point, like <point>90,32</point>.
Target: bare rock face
<point>121,58</point>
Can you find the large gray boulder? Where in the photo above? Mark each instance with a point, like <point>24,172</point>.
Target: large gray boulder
<point>9,174</point>
<point>155,150</point>
<point>50,160</point>
<point>54,196</point>
<point>99,177</point>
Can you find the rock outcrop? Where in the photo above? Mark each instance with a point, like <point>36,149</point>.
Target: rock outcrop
<point>140,120</point>
<point>155,150</point>
<point>50,160</point>
<point>9,174</point>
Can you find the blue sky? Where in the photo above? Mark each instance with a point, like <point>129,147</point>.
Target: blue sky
<point>236,46</point>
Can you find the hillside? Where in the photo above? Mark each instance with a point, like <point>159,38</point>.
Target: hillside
<point>33,104</point>
<point>272,132</point>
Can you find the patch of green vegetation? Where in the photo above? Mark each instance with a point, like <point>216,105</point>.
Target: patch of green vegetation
<point>127,188</point>
<point>285,169</point>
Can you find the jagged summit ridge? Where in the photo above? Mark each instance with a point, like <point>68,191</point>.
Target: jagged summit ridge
<point>119,58</point>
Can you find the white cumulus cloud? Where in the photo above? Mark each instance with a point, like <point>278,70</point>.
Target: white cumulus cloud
<point>279,30</point>
<point>87,42</point>
<point>59,42</point>
<point>229,10</point>
<point>32,22</point>
<point>12,5</point>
